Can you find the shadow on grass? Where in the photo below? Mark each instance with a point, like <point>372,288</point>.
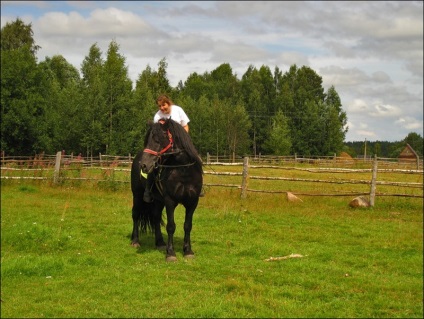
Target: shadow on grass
<point>147,243</point>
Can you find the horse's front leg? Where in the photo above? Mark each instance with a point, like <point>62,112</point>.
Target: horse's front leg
<point>188,222</point>
<point>170,229</point>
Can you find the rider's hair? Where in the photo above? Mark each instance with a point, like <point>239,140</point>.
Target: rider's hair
<point>164,99</point>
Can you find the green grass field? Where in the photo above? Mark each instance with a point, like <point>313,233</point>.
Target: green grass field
<point>65,252</point>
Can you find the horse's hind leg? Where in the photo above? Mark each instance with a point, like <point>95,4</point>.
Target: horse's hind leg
<point>136,228</point>
<point>159,242</point>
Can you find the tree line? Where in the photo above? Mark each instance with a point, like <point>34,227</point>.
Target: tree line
<point>50,105</point>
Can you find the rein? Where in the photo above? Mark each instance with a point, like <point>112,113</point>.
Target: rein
<point>176,166</point>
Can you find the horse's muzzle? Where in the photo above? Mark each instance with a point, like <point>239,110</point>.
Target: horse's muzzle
<point>148,169</point>
<point>145,169</point>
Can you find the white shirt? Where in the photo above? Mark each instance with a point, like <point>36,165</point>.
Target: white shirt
<point>177,114</point>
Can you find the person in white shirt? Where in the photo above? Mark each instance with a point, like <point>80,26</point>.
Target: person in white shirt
<point>167,109</point>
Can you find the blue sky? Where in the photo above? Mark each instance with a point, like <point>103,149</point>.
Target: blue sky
<point>370,51</point>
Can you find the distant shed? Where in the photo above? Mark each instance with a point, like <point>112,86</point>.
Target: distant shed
<point>408,154</point>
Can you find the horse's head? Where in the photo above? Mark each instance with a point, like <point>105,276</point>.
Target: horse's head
<point>157,142</point>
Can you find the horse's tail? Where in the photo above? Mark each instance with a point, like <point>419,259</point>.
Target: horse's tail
<point>146,223</point>
<point>148,218</point>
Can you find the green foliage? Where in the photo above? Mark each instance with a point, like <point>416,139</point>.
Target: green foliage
<point>237,126</point>
<point>63,100</point>
<point>279,142</point>
<point>256,94</point>
<point>93,106</point>
<point>16,35</point>
<point>22,102</point>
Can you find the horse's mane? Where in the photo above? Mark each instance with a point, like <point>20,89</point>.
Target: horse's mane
<point>183,140</point>
<point>146,136</point>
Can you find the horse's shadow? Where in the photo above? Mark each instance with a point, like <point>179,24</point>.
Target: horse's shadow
<point>147,243</point>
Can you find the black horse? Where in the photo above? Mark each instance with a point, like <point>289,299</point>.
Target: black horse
<point>170,155</point>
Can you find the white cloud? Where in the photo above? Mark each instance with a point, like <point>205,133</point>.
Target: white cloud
<point>358,106</point>
<point>101,23</point>
<point>410,123</point>
<point>369,134</point>
<point>385,110</point>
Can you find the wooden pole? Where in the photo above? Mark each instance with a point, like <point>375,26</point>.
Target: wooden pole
<point>365,150</point>
<point>373,181</point>
<point>56,176</point>
<point>245,177</point>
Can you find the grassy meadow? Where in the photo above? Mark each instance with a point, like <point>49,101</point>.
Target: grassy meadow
<point>65,252</point>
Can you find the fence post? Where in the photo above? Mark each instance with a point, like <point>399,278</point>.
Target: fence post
<point>373,181</point>
<point>56,175</point>
<point>208,158</point>
<point>244,182</point>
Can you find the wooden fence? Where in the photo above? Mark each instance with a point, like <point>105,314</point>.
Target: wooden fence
<point>324,161</point>
<point>59,168</point>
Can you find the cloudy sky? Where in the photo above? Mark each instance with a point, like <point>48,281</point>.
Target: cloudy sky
<point>370,51</point>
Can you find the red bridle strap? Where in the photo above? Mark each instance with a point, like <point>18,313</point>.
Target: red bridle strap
<point>171,142</point>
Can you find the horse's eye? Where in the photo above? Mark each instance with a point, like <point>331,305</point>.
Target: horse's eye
<point>156,138</point>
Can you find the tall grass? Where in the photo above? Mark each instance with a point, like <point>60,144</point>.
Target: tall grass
<point>66,253</point>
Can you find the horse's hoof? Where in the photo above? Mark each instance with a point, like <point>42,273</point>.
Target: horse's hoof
<point>189,256</point>
<point>171,258</point>
<point>135,244</point>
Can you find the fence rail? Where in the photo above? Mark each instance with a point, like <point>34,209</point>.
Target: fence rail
<point>60,168</point>
<point>315,160</point>
<point>46,160</point>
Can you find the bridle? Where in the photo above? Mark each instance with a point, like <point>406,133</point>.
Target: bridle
<point>162,151</point>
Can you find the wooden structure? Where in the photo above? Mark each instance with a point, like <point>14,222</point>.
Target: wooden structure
<point>408,154</point>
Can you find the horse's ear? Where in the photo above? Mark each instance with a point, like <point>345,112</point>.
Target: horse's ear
<point>149,123</point>
<point>165,123</point>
